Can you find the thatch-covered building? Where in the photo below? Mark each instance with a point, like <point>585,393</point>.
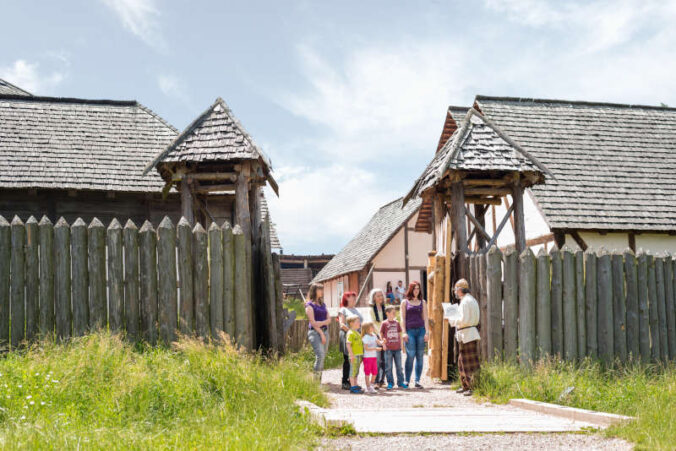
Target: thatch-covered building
<point>386,249</point>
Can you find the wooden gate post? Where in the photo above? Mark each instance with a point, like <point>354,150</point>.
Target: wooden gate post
<point>605,306</point>
<point>557,300</point>
<point>643,308</point>
<point>18,281</point>
<point>619,308</point>
<point>511,296</point>
<point>652,310</point>
<point>201,281</point>
<point>569,305</point>
<point>185,266</point>
<point>527,307</point>
<point>148,265</point>
<point>167,299</point>
<point>97,274</point>
<point>32,279</point>
<point>632,304</point>
<point>80,277</point>
<point>543,309</point>
<point>115,276</point>
<point>591,303</point>
<point>132,307</point>
<point>437,317</point>
<point>46,276</point>
<point>494,304</point>
<point>62,279</point>
<point>216,280</point>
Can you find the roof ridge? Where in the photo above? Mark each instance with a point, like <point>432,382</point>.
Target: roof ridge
<point>72,100</point>
<point>480,97</point>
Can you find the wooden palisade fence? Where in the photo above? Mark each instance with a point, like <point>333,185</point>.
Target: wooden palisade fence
<point>151,284</point>
<point>571,304</point>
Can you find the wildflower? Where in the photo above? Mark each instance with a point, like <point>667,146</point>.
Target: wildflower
<point>23,417</point>
<point>28,397</point>
<point>37,374</point>
<point>42,403</point>
<point>20,386</point>
<point>32,403</point>
<point>54,381</point>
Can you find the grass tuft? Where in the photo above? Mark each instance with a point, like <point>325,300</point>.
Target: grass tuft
<point>647,392</point>
<point>99,391</point>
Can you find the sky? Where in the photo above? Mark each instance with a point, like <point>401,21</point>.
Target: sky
<point>346,98</point>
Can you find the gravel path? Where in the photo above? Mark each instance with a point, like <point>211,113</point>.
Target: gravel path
<point>477,442</point>
<point>440,395</point>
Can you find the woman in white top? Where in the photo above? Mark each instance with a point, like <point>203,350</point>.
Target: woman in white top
<point>348,308</point>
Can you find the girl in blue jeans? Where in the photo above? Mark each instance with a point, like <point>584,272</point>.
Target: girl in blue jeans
<point>415,325</point>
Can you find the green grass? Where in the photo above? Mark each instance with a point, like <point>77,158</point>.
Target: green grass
<point>297,305</point>
<point>306,357</point>
<point>646,392</point>
<point>101,392</point>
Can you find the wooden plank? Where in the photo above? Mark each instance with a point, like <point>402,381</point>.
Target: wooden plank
<point>485,182</point>
<point>80,277</point>
<point>243,332</point>
<point>619,308</point>
<point>281,343</point>
<point>167,297</point>
<point>670,301</point>
<point>437,317</point>
<point>527,285</point>
<point>483,200</point>
<point>519,219</point>
<point>46,231</point>
<point>631,276</point>
<point>5,259</point>
<point>185,265</point>
<point>591,303</point>
<point>187,208</point>
<point>17,290</point>
<point>483,301</point>
<point>605,306</point>
<point>653,310</point>
<point>671,309</point>
<point>232,176</point>
<point>228,281</point>
<point>62,311</point>
<point>448,294</point>
<point>494,303</point>
<point>216,280</point>
<point>444,350</point>
<point>32,279</point>
<point>214,188</point>
<point>201,281</point>
<point>148,271</point>
<point>544,305</point>
<point>569,305</point>
<point>242,213</point>
<point>511,300</point>
<point>643,307</point>
<point>132,308</point>
<point>496,191</point>
<point>661,308</point>
<point>580,305</point>
<point>115,276</point>
<point>270,290</point>
<point>97,274</point>
<point>557,300</point>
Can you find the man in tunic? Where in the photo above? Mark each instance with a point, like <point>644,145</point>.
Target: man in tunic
<point>467,336</point>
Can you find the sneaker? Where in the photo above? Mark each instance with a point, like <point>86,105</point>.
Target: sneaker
<point>372,390</point>
<point>404,386</point>
<point>417,385</point>
<point>346,385</point>
<point>468,393</point>
<point>390,386</point>
<point>460,390</point>
<point>356,390</point>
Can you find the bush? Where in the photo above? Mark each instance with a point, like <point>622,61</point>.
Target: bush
<point>101,392</point>
<point>297,305</point>
<point>647,392</point>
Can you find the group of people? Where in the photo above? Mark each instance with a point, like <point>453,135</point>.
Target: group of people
<point>376,343</point>
<point>395,295</point>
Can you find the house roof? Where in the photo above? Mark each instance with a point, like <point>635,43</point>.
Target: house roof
<point>370,239</point>
<point>477,145</point>
<point>454,116</point>
<point>8,88</point>
<point>274,238</point>
<point>614,164</point>
<point>63,143</point>
<point>216,135</point>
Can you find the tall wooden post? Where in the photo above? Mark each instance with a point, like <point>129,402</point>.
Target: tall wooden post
<point>242,212</point>
<point>480,215</point>
<point>459,226</point>
<point>519,221</point>
<point>186,200</point>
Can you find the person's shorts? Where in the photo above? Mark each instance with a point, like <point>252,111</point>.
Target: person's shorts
<point>354,365</point>
<point>370,366</point>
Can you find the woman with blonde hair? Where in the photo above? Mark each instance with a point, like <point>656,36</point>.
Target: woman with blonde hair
<point>319,320</point>
<point>377,304</point>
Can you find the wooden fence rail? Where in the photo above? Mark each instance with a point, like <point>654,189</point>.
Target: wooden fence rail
<point>151,284</point>
<point>572,304</point>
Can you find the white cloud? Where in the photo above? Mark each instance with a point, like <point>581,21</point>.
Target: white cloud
<point>172,86</point>
<point>140,17</point>
<point>321,208</point>
<point>28,76</point>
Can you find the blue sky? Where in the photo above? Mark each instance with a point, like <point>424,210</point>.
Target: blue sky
<point>347,98</point>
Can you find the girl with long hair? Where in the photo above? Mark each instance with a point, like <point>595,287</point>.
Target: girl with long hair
<point>347,309</point>
<point>377,303</point>
<point>319,320</point>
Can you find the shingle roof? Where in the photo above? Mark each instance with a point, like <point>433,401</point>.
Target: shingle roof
<point>614,165</point>
<point>60,143</point>
<point>477,145</point>
<point>216,135</point>
<point>370,240</point>
<point>454,117</point>
<point>8,88</point>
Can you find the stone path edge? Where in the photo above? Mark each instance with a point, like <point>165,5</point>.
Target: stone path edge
<point>572,413</point>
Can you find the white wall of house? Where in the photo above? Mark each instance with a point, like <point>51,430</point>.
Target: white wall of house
<point>390,262</point>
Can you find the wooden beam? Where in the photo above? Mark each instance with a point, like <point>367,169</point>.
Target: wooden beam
<point>458,217</point>
<point>213,188</point>
<point>477,224</point>
<point>511,219</point>
<point>500,227</point>
<point>578,239</point>
<point>483,200</point>
<point>242,201</point>
<point>542,239</point>
<point>206,176</point>
<point>519,219</point>
<point>559,238</point>
<point>632,241</point>
<point>487,191</point>
<point>186,202</point>
<point>485,182</point>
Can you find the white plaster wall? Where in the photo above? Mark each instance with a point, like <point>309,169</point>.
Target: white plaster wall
<point>654,243</point>
<point>419,246</point>
<point>380,279</point>
<point>610,241</point>
<point>392,255</point>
